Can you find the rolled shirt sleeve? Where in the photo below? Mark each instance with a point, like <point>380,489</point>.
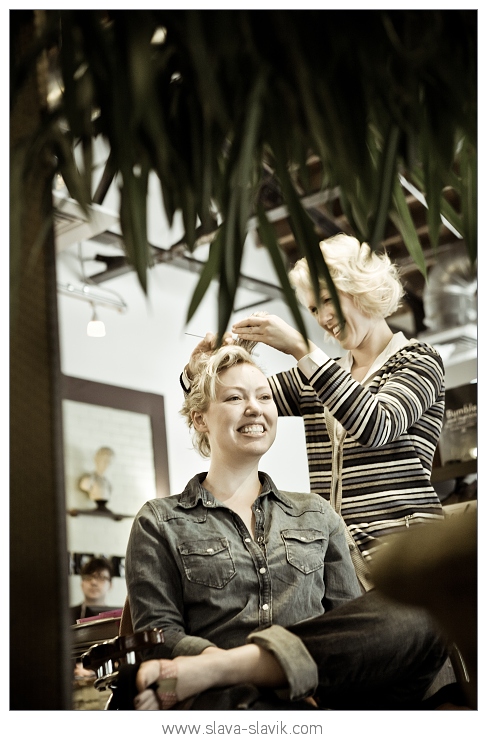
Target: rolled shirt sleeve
<point>297,664</point>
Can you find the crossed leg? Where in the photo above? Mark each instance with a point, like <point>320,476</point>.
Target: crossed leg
<point>370,653</point>
<point>183,677</point>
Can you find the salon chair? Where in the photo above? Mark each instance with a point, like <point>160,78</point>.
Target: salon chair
<point>115,663</point>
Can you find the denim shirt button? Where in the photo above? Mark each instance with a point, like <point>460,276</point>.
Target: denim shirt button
<point>265,606</point>
<point>247,540</point>
<point>209,550</point>
<point>262,570</point>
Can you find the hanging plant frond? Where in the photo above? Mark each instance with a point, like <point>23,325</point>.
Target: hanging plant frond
<point>197,97</point>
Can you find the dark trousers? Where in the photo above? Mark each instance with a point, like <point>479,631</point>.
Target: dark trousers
<point>373,653</point>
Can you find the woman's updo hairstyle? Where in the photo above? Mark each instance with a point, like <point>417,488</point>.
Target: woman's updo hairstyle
<point>204,373</point>
<point>370,278</point>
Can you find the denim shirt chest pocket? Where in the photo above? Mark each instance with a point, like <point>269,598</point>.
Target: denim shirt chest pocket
<point>305,548</point>
<point>208,561</point>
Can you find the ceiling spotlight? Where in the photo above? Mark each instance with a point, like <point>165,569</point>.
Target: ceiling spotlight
<point>95,326</point>
<point>159,36</point>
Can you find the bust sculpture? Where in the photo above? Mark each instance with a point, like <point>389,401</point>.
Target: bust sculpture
<point>95,484</point>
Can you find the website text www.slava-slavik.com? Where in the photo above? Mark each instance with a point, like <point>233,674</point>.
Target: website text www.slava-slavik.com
<point>257,728</point>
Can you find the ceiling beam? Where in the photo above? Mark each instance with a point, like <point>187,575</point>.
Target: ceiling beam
<point>177,258</point>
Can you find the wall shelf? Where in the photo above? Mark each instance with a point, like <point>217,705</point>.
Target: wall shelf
<point>101,510</point>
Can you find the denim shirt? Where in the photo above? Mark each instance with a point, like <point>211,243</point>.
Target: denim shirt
<point>194,570</point>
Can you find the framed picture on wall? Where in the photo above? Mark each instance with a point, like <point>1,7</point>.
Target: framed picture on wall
<point>114,445</point>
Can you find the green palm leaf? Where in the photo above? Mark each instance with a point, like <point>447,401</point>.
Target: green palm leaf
<point>401,217</point>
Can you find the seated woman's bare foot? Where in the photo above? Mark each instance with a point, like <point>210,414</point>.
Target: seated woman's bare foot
<point>183,677</point>
<point>178,679</point>
<point>147,701</point>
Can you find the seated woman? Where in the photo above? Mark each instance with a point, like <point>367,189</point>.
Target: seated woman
<point>233,554</point>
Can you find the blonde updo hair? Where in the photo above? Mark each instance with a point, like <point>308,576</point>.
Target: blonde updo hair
<point>205,374</point>
<point>370,278</point>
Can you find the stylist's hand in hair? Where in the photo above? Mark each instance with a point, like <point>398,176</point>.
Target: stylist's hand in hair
<point>274,332</point>
<point>208,344</point>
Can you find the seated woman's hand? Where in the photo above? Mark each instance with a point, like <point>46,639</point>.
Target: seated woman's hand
<point>273,331</point>
<point>165,674</point>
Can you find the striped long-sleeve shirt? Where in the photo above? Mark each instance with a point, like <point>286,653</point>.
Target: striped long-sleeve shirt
<point>370,447</point>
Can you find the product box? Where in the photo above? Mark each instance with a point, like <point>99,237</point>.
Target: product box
<point>458,439</point>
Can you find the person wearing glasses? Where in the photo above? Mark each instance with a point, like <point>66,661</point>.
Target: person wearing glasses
<point>96,581</point>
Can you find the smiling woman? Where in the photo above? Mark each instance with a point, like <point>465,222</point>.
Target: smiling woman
<point>233,552</point>
<point>231,406</point>
<point>240,423</point>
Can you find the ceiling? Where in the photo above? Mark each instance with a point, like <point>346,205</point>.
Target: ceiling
<point>324,209</point>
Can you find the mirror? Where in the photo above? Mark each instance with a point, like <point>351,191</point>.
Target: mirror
<point>115,460</point>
